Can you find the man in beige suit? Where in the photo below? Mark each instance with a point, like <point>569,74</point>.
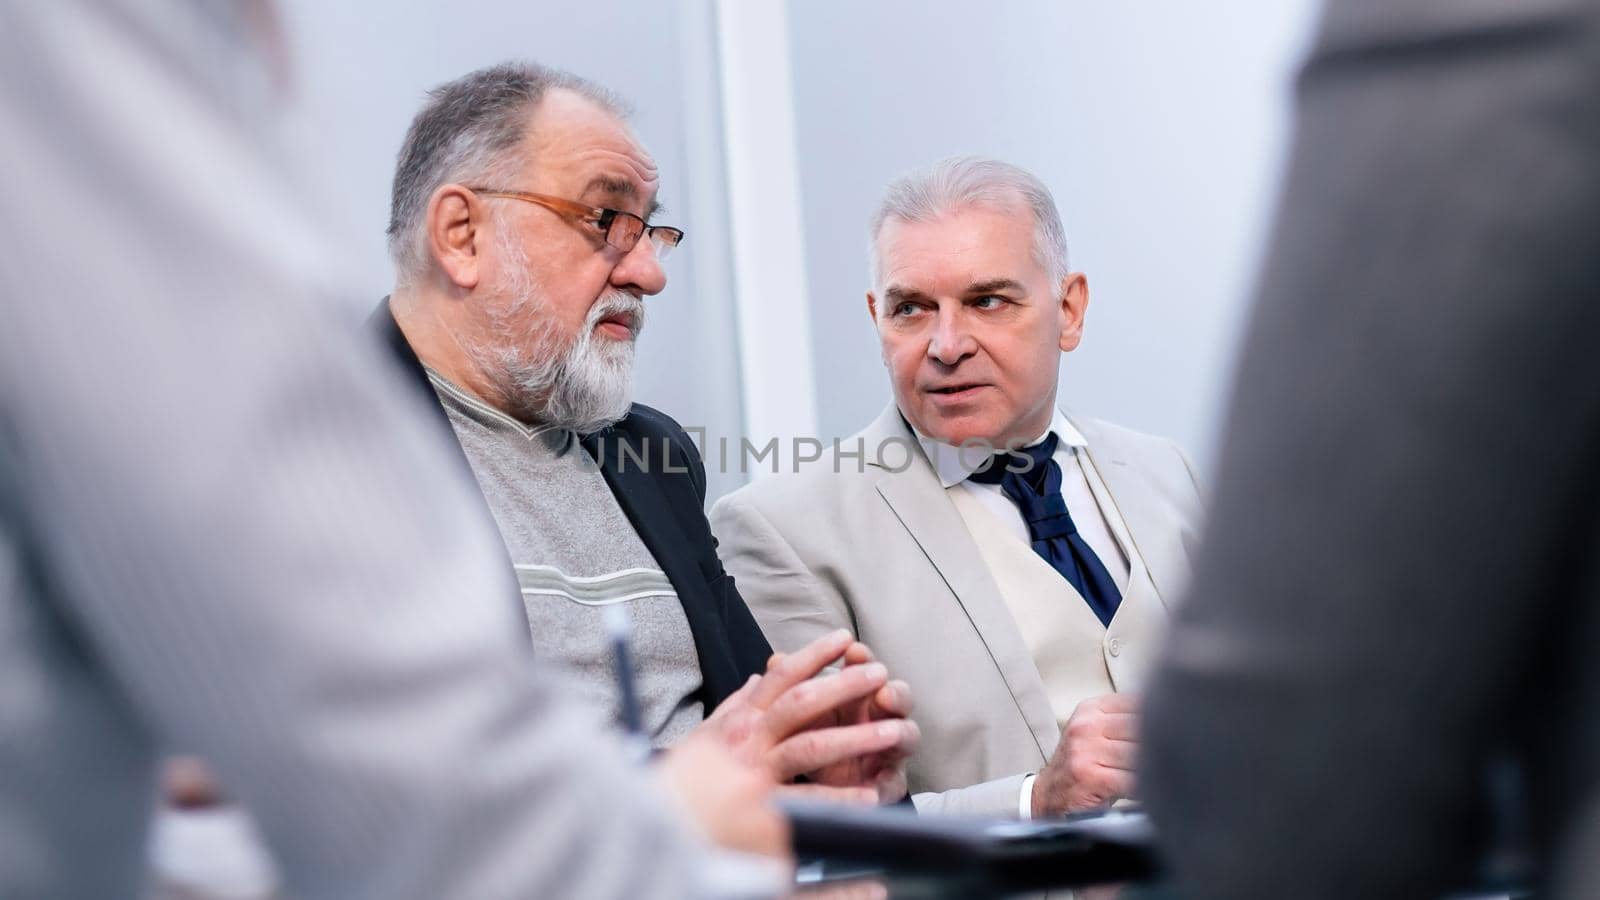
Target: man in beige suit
<point>1021,594</point>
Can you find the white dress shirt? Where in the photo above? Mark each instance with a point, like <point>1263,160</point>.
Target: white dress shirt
<point>955,465</point>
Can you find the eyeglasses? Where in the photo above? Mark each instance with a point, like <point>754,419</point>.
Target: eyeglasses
<point>622,229</point>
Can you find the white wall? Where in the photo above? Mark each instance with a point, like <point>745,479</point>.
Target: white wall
<point>1159,127</point>
<point>363,69</point>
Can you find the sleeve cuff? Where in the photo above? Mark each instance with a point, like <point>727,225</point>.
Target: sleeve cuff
<point>1025,802</point>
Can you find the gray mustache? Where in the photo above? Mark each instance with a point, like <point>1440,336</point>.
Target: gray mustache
<point>612,304</point>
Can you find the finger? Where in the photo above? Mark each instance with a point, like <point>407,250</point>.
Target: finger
<point>802,704</point>
<point>820,747</point>
<point>796,667</point>
<point>1122,755</point>
<point>736,702</point>
<point>1120,727</point>
<point>876,767</point>
<point>743,693</point>
<point>910,737</point>
<point>1114,784</point>
<point>773,660</point>
<point>858,653</point>
<point>857,796</point>
<point>892,785</point>
<point>893,700</point>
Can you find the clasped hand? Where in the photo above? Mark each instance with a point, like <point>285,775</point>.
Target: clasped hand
<point>846,732</point>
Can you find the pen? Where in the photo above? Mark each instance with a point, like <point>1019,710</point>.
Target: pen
<point>618,628</point>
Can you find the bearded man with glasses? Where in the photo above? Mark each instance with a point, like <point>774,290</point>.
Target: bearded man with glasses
<point>523,244</point>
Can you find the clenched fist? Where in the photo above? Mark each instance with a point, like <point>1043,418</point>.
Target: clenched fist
<point>1093,765</point>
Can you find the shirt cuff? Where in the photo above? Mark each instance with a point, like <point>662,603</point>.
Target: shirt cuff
<point>1025,802</point>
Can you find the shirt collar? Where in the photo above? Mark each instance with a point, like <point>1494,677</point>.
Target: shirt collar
<point>954,463</point>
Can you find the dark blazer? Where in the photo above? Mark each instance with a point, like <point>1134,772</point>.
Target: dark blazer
<point>1400,578</point>
<point>659,480</point>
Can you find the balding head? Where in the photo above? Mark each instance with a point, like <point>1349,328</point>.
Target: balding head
<point>472,130</point>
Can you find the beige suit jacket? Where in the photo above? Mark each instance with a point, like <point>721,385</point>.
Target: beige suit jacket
<point>874,543</point>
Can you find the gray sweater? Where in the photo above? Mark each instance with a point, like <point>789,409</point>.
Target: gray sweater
<point>576,554</point>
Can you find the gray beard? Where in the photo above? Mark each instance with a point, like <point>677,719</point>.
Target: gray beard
<point>584,387</point>
<point>591,385</point>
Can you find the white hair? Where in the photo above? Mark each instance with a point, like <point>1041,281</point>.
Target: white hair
<point>960,182</point>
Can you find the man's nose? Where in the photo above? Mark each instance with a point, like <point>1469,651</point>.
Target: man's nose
<point>639,271</point>
<point>952,341</point>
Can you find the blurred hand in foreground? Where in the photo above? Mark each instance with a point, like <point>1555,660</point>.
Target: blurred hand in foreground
<point>728,798</point>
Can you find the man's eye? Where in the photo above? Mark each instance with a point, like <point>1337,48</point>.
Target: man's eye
<point>905,309</point>
<point>989,301</point>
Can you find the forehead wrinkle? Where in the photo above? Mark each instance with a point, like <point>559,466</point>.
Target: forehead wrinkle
<point>931,273</point>
<point>956,254</point>
<point>634,159</point>
<point>640,182</point>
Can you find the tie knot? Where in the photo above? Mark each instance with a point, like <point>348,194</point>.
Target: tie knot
<point>1025,463</point>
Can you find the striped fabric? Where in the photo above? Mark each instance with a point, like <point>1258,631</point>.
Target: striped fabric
<point>596,590</point>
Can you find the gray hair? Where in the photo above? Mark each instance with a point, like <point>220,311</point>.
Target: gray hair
<point>468,131</point>
<point>959,182</point>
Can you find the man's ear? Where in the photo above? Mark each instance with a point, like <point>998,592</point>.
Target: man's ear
<point>872,307</point>
<point>455,232</point>
<point>1074,303</point>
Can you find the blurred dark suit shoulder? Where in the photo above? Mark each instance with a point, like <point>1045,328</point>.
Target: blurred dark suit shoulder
<point>1399,583</point>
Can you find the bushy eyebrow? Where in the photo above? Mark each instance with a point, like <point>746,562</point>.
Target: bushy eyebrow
<point>620,188</point>
<point>897,295</point>
<point>993,285</point>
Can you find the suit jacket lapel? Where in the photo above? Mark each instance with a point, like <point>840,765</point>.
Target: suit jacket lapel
<point>1147,524</point>
<point>920,503</point>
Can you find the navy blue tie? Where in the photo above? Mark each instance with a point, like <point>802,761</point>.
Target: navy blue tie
<point>1032,479</point>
